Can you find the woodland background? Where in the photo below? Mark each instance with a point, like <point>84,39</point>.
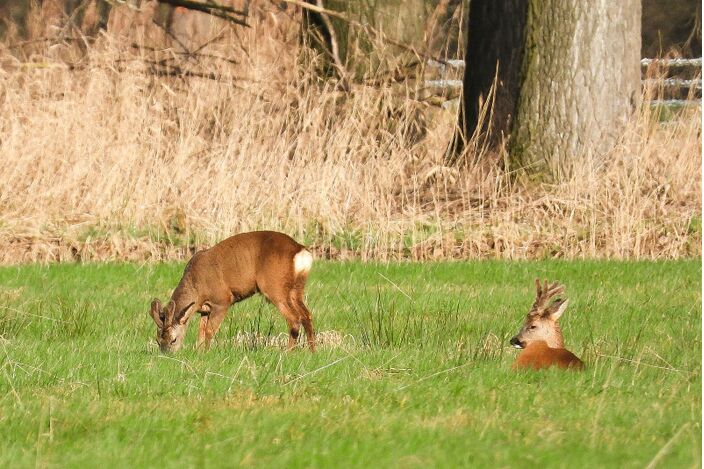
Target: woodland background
<point>140,131</point>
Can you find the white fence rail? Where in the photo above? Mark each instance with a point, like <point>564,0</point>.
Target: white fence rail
<point>672,63</point>
<point>695,83</point>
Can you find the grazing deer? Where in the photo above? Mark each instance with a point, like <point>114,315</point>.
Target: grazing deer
<point>541,337</point>
<point>267,262</point>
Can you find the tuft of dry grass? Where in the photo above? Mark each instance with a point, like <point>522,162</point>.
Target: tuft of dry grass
<point>107,157</point>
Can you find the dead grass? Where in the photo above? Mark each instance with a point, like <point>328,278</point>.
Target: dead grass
<point>104,159</point>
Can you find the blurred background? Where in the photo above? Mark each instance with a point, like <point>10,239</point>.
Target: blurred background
<point>146,130</point>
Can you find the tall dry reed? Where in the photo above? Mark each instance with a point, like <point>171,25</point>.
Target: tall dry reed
<point>104,157</point>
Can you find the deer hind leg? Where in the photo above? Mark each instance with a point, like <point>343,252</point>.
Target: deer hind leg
<point>292,319</point>
<point>305,317</point>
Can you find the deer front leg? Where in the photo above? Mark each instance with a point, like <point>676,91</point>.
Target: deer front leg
<point>202,325</point>
<point>217,314</point>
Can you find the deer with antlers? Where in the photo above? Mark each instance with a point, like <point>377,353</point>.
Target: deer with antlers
<point>540,338</point>
<point>265,262</point>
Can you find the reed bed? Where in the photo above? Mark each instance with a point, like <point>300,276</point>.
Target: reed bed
<point>111,152</point>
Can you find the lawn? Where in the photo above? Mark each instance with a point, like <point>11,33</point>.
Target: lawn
<point>413,371</point>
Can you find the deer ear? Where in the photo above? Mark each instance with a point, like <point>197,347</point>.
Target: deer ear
<point>561,306</point>
<point>187,313</point>
<point>155,312</point>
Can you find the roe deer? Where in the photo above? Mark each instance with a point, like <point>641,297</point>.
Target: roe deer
<point>267,262</point>
<point>541,337</point>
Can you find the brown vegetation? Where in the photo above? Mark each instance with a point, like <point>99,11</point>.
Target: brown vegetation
<point>131,147</point>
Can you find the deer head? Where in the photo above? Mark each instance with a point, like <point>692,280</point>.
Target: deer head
<point>170,329</point>
<point>541,322</point>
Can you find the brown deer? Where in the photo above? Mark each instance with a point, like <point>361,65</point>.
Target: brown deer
<point>541,337</point>
<point>265,262</point>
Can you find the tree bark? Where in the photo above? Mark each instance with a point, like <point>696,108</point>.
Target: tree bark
<point>402,21</point>
<point>494,53</point>
<point>580,81</point>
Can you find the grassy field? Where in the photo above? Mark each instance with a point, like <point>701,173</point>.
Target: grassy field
<point>413,371</point>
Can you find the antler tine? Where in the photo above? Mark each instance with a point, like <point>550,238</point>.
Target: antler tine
<point>170,310</point>
<point>544,293</point>
<point>538,297</point>
<point>555,289</point>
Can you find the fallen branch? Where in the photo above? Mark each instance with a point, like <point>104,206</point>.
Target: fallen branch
<point>196,55</point>
<point>365,27</point>
<point>335,50</point>
<point>221,11</point>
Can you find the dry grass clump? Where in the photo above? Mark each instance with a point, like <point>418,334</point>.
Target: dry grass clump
<point>324,340</point>
<point>105,156</point>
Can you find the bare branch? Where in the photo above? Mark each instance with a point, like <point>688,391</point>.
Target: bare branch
<point>335,50</point>
<point>211,8</point>
<point>365,27</point>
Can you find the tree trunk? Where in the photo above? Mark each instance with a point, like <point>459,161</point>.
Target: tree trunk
<point>494,52</point>
<point>402,21</point>
<point>580,81</point>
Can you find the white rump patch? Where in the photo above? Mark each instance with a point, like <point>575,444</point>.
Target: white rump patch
<point>302,262</point>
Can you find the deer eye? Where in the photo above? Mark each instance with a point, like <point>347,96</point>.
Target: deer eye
<point>533,327</point>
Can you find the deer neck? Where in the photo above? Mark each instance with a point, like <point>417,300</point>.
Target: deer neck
<point>183,296</point>
<point>555,340</point>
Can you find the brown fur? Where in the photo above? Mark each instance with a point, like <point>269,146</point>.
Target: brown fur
<point>541,337</point>
<point>232,270</point>
<point>538,355</point>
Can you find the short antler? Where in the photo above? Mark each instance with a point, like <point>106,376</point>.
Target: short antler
<point>155,312</point>
<point>543,296</point>
<point>170,310</point>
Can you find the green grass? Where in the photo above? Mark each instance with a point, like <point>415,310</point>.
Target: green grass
<point>420,376</point>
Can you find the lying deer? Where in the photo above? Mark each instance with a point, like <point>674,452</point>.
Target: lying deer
<point>266,262</point>
<point>541,337</point>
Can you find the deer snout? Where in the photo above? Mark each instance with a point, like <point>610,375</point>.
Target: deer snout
<point>516,342</point>
<point>169,349</point>
<point>169,345</point>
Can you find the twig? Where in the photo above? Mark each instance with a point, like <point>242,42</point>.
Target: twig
<point>170,33</point>
<point>639,363</point>
<point>18,45</point>
<point>316,370</point>
<point>397,287</point>
<point>661,453</point>
<point>433,375</point>
<point>335,50</point>
<point>659,357</point>
<point>221,11</point>
<point>365,27</point>
<point>161,69</point>
<point>24,313</point>
<point>190,368</point>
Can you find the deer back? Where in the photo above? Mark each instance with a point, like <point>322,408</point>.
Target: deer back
<point>258,261</point>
